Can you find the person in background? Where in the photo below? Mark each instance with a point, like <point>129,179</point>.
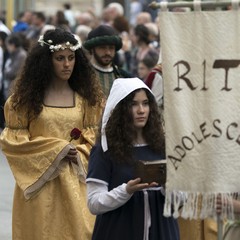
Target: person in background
<point>142,47</point>
<point>143,18</point>
<point>60,21</point>
<point>103,43</point>
<point>154,81</point>
<point>153,12</point>
<point>87,18</point>
<point>37,23</point>
<point>51,122</point>
<point>17,55</point>
<point>82,31</point>
<point>154,35</point>
<point>4,28</point>
<point>231,228</point>
<point>116,9</point>
<point>131,130</point>
<point>221,204</point>
<point>69,15</point>
<point>23,22</point>
<point>3,58</point>
<point>112,11</point>
<point>146,65</point>
<point>123,56</point>
<point>135,9</point>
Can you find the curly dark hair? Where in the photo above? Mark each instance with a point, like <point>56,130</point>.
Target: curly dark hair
<point>37,73</point>
<point>142,32</point>
<point>121,24</point>
<point>120,131</point>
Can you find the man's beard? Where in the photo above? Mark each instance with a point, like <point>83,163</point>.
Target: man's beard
<point>102,62</point>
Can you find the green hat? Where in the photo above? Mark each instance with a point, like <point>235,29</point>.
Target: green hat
<point>103,35</point>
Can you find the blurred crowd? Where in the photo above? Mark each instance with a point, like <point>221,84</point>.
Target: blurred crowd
<point>139,34</point>
<point>138,55</point>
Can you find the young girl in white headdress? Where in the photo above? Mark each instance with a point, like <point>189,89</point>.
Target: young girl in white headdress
<point>127,208</point>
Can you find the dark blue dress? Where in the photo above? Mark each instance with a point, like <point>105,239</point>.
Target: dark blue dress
<point>127,221</point>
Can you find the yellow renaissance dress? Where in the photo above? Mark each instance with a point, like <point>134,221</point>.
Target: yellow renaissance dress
<point>50,192</point>
<point>199,229</point>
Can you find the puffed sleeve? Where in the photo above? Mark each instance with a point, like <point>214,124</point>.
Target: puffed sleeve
<point>33,161</point>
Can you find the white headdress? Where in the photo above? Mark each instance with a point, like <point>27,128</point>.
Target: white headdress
<point>120,89</point>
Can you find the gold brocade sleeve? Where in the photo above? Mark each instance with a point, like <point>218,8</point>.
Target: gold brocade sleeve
<point>35,151</point>
<point>33,161</point>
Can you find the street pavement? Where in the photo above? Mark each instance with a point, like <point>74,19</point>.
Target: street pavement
<point>6,195</point>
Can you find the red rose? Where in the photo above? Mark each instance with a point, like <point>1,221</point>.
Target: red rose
<point>75,134</point>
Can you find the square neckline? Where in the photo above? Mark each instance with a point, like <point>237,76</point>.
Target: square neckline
<point>74,104</point>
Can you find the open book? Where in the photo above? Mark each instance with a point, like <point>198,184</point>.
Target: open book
<point>151,171</point>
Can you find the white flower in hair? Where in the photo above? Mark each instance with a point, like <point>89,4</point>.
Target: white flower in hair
<point>57,47</point>
<point>41,40</point>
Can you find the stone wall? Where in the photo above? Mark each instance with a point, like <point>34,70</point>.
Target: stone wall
<point>50,7</point>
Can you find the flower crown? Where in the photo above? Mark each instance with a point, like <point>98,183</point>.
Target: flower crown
<point>57,47</point>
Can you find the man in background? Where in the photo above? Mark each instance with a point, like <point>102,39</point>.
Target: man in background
<point>103,43</point>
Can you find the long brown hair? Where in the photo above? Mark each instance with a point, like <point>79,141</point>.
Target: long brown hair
<point>37,73</point>
<point>120,130</point>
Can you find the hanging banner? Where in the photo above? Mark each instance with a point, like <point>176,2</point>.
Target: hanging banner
<point>201,72</point>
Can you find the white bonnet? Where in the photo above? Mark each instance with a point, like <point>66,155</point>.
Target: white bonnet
<point>120,89</point>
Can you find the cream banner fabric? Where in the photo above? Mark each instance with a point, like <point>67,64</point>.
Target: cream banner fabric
<point>201,72</point>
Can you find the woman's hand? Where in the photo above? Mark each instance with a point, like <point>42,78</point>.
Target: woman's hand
<point>223,204</point>
<point>135,185</point>
<point>219,204</point>
<point>72,155</point>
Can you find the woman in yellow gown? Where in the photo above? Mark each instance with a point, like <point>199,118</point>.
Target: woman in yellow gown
<point>56,92</point>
